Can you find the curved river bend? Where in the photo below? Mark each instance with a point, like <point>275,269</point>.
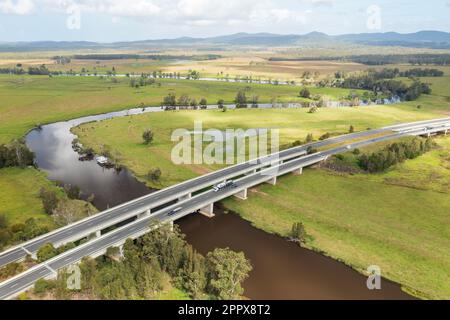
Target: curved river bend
<point>281,270</point>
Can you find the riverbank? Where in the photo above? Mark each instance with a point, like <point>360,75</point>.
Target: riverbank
<point>338,226</point>
<point>55,155</point>
<point>121,138</point>
<point>383,219</point>
<point>30,101</point>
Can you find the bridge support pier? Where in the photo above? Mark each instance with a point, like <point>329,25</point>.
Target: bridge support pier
<point>98,234</point>
<point>298,172</point>
<point>208,211</point>
<point>242,195</point>
<point>272,181</point>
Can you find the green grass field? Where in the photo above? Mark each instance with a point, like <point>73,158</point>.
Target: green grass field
<point>19,196</point>
<point>396,220</point>
<point>123,136</point>
<point>367,220</point>
<point>27,101</point>
<point>382,219</point>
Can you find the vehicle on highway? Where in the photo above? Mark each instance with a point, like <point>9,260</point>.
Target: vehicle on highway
<point>349,147</point>
<point>174,211</point>
<point>224,185</point>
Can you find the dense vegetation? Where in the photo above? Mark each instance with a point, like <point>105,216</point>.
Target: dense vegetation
<point>15,154</point>
<point>146,263</point>
<point>378,59</point>
<point>383,83</point>
<point>139,56</point>
<point>393,154</point>
<point>19,232</point>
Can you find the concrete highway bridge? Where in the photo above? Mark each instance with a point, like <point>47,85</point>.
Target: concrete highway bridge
<point>196,195</point>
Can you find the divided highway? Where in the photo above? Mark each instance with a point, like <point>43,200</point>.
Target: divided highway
<point>295,159</point>
<point>121,213</point>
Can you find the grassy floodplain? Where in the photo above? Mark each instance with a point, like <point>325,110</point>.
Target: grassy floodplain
<point>397,220</point>
<point>19,196</point>
<point>122,137</point>
<point>27,101</point>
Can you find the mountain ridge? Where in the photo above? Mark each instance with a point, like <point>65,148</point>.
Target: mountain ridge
<point>425,38</point>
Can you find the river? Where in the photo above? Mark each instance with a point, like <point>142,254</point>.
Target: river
<point>281,270</point>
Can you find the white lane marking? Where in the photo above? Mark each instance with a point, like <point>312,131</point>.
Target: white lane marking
<point>13,285</point>
<point>43,271</point>
<point>67,259</point>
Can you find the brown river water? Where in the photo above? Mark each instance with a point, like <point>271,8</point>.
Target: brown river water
<point>281,269</point>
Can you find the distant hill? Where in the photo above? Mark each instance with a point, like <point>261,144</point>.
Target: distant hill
<point>422,39</point>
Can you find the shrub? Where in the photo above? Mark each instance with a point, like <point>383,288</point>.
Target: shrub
<point>154,175</point>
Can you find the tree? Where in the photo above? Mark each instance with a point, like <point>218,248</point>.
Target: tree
<point>227,270</point>
<point>220,103</point>
<point>46,252</point>
<point>298,232</point>
<point>147,136</point>
<point>203,103</point>
<point>72,191</point>
<point>305,93</point>
<point>49,200</point>
<point>170,100</point>
<point>351,129</point>
<point>31,230</point>
<point>241,100</point>
<point>42,285</point>
<point>155,174</point>
<point>16,154</point>
<point>88,268</point>
<point>194,273</point>
<point>309,138</point>
<point>184,100</point>
<point>5,236</point>
<point>194,103</point>
<point>167,245</point>
<point>255,100</point>
<point>113,252</point>
<point>325,136</point>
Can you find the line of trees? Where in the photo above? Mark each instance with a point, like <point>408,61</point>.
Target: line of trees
<point>183,102</point>
<point>122,56</point>
<point>141,82</point>
<point>378,84</point>
<point>142,271</point>
<point>378,59</point>
<point>394,154</point>
<point>41,70</point>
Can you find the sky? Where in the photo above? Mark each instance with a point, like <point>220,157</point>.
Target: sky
<point>128,20</point>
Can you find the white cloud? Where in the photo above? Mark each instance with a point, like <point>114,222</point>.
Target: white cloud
<point>20,7</point>
<point>191,13</point>
<point>320,2</point>
<point>234,12</point>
